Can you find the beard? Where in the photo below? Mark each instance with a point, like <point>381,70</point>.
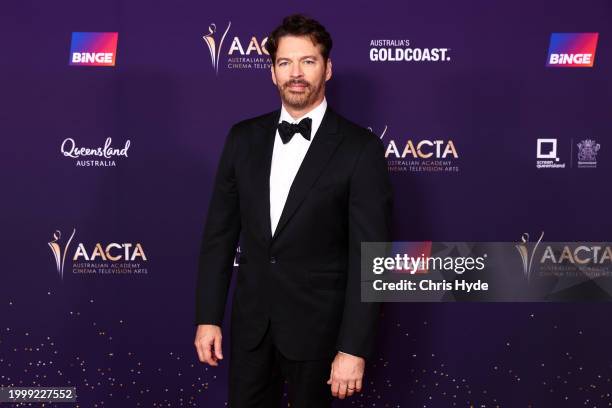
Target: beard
<point>299,99</point>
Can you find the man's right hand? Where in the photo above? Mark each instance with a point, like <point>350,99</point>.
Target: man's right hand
<point>208,343</point>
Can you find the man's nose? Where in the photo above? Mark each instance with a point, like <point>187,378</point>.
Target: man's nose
<point>296,70</point>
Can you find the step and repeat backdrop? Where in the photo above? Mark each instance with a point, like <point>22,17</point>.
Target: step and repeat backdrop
<point>497,119</point>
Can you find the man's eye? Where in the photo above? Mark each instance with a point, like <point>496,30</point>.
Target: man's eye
<point>309,61</point>
<point>282,63</point>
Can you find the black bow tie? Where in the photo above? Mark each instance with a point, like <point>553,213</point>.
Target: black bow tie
<point>286,130</point>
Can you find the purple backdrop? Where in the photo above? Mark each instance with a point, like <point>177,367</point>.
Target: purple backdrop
<point>126,339</point>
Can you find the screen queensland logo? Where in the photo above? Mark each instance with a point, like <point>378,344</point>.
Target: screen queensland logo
<point>547,154</point>
<point>572,50</point>
<point>96,258</point>
<point>235,53</point>
<point>93,49</point>
<point>402,50</point>
<point>419,155</point>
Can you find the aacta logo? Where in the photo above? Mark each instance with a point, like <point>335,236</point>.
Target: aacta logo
<point>110,258</point>
<point>572,50</point>
<point>246,54</point>
<point>111,252</point>
<point>424,149</point>
<point>93,49</point>
<point>421,155</point>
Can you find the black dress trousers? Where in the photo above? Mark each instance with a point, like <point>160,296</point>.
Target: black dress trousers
<point>256,377</point>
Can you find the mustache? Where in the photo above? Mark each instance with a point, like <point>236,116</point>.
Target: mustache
<point>294,82</point>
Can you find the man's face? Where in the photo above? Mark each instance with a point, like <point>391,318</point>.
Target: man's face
<point>300,72</point>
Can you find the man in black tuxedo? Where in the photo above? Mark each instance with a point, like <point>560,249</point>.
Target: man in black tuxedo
<point>300,187</point>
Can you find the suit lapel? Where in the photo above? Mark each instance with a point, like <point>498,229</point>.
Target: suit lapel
<point>319,152</point>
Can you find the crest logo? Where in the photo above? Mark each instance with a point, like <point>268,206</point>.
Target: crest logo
<point>587,153</point>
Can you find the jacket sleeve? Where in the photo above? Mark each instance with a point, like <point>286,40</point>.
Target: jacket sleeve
<point>370,207</point>
<point>219,240</point>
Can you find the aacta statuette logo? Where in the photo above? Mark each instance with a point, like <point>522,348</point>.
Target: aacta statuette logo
<point>58,254</point>
<point>215,51</point>
<point>254,57</point>
<point>587,154</point>
<point>125,258</point>
<point>526,256</point>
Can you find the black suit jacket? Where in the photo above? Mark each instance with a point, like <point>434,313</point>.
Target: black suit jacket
<point>305,278</point>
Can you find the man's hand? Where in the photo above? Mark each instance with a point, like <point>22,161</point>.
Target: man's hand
<point>346,375</point>
<point>208,344</point>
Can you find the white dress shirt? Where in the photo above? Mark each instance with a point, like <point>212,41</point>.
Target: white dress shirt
<point>287,159</point>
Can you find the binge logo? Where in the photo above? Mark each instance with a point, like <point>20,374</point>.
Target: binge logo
<point>572,50</point>
<point>93,49</point>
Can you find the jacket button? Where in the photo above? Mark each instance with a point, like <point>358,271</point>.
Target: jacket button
<point>272,259</point>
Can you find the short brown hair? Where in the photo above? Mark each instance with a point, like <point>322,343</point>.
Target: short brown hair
<point>300,25</point>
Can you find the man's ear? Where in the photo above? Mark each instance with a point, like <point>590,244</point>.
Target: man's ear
<point>273,74</point>
<point>328,70</point>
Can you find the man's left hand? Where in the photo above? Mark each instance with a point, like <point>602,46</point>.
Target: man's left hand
<point>346,375</point>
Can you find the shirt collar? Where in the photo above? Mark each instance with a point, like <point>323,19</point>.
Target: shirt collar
<point>316,114</point>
